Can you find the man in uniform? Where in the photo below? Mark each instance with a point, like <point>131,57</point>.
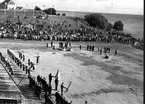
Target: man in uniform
<point>23,57</point>
<point>80,46</point>
<point>49,90</point>
<point>62,86</point>
<point>56,83</point>
<point>47,45</point>
<point>28,61</point>
<point>87,47</point>
<point>116,51</point>
<point>50,78</point>
<point>93,48</point>
<point>100,51</point>
<point>51,44</point>
<point>26,69</point>
<point>23,67</point>
<point>37,59</point>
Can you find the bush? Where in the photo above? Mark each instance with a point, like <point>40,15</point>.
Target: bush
<point>118,25</point>
<point>63,14</point>
<point>37,8</point>
<point>97,20</point>
<point>51,11</point>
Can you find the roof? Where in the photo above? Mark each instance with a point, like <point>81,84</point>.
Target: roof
<point>2,4</point>
<point>11,2</point>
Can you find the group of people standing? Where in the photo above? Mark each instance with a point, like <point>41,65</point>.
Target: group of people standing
<point>20,62</point>
<point>40,84</point>
<point>90,47</point>
<point>6,63</point>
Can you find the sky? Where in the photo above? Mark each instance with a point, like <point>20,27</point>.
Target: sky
<point>103,6</point>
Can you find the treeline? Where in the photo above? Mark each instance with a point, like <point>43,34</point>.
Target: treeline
<point>49,11</point>
<point>99,21</point>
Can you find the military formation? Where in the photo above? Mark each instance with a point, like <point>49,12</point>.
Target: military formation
<point>39,84</point>
<point>7,64</point>
<point>20,62</point>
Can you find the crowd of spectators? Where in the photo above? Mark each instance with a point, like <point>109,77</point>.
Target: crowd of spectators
<point>62,31</point>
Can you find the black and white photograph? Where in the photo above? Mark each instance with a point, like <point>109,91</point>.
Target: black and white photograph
<point>71,51</point>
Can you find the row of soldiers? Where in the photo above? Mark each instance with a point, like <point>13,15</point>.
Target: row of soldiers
<point>40,84</point>
<point>64,45</point>
<point>6,63</point>
<point>90,47</point>
<point>106,49</point>
<point>19,63</point>
<point>35,85</point>
<point>60,99</point>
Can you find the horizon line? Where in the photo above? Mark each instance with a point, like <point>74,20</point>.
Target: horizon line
<point>101,12</point>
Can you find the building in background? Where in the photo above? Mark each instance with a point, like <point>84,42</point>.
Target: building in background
<point>3,5</point>
<point>7,4</point>
<point>11,5</point>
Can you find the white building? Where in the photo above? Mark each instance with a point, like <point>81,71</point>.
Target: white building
<point>11,5</point>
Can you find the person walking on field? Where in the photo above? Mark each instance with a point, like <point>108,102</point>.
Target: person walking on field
<point>80,46</point>
<point>37,59</point>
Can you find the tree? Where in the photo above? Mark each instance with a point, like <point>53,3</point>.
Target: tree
<point>63,14</point>
<point>97,20</point>
<point>58,14</point>
<point>110,26</point>
<point>37,8</point>
<point>50,11</point>
<point>118,25</point>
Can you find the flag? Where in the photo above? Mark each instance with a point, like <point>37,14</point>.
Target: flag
<point>57,75</point>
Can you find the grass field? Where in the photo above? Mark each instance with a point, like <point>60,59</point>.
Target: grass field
<point>117,80</point>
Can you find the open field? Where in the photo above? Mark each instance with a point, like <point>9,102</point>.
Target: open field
<point>117,80</point>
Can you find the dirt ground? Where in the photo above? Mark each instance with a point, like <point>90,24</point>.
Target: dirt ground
<point>117,80</point>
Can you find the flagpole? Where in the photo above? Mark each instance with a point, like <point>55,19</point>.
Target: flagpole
<point>33,12</point>
<point>51,9</point>
<point>24,10</point>
<point>14,13</point>
<point>5,9</point>
<point>42,10</point>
